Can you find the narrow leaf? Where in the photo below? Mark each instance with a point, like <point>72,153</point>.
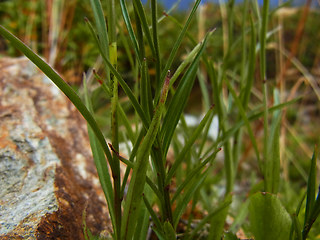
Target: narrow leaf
<point>127,21</point>
<point>208,218</point>
<point>169,231</point>
<point>134,196</point>
<point>187,146</point>
<point>176,46</point>
<point>179,100</point>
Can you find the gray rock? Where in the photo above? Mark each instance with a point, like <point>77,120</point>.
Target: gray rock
<point>47,174</point>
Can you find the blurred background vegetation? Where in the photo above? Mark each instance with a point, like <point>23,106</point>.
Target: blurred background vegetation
<point>56,30</point>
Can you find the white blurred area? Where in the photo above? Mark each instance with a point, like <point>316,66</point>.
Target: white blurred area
<point>194,121</point>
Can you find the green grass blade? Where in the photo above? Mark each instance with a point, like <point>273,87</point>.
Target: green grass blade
<point>125,121</point>
<point>127,21</point>
<point>130,164</point>
<point>205,135</point>
<point>175,48</point>
<point>193,173</point>
<point>179,100</point>
<point>208,218</point>
<point>136,186</point>
<point>316,210</point>
<point>102,29</point>
<point>145,90</point>
<point>263,36</point>
<point>159,234</point>
<point>153,215</point>
<point>101,164</point>
<point>186,62</point>
<point>187,146</point>
<point>252,116</point>
<point>111,13</point>
<point>169,232</point>
<point>121,112</point>
<point>101,25</point>
<point>123,84</point>
<point>251,66</point>
<point>187,197</point>
<point>246,121</point>
<point>126,46</point>
<point>144,24</point>
<point>312,204</point>
<point>139,35</point>
<point>297,227</point>
<point>217,223</point>
<point>154,188</point>
<point>132,156</point>
<point>311,189</point>
<point>204,90</point>
<point>155,36</point>
<point>142,225</point>
<point>272,166</point>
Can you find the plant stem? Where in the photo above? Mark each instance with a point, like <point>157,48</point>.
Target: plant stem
<point>114,114</point>
<point>263,32</point>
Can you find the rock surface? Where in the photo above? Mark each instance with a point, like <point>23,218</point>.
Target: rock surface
<point>47,174</point>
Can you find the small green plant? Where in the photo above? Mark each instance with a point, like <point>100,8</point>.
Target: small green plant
<point>174,186</point>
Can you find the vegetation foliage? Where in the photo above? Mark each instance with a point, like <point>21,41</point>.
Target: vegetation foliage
<point>226,63</point>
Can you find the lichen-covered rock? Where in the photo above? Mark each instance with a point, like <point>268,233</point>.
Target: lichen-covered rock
<point>47,174</point>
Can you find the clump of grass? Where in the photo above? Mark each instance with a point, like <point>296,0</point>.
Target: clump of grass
<point>158,98</point>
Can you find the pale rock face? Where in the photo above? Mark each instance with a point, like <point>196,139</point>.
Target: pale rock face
<point>47,174</point>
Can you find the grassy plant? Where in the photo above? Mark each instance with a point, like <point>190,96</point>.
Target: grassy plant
<point>170,190</point>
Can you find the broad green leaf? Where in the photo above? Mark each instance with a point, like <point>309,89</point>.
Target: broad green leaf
<point>268,218</point>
